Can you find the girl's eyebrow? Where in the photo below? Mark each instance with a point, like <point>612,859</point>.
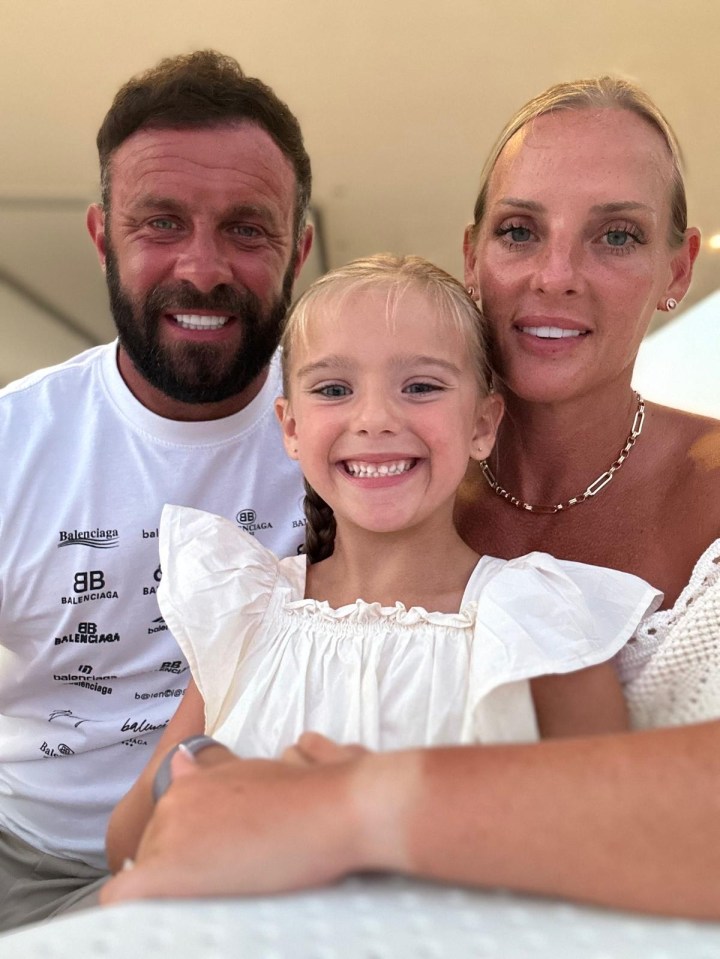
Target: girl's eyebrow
<point>422,360</point>
<point>333,361</point>
<point>337,362</point>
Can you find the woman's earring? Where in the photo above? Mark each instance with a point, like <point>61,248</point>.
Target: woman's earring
<point>471,292</point>
<point>670,303</point>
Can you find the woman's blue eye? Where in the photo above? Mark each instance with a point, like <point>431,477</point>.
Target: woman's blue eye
<point>515,234</point>
<point>519,234</point>
<point>617,237</point>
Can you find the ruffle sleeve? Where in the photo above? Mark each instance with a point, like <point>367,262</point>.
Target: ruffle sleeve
<point>217,583</point>
<point>538,615</point>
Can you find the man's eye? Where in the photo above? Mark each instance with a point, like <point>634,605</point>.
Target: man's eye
<point>163,223</point>
<point>245,231</point>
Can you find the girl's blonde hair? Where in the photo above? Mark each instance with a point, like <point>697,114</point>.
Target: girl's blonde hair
<point>396,275</point>
<point>597,93</point>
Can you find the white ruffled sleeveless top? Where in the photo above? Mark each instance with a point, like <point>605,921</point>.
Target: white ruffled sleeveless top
<point>271,664</point>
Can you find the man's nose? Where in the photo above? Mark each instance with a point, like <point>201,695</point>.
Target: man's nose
<point>203,262</point>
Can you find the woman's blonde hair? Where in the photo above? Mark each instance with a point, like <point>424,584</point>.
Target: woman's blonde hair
<point>396,275</point>
<point>595,93</point>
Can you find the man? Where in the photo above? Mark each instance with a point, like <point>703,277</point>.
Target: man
<point>201,233</point>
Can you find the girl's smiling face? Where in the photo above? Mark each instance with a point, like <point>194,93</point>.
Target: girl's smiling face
<point>573,254</point>
<point>384,408</point>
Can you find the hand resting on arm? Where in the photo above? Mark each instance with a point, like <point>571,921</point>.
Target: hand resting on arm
<point>625,820</point>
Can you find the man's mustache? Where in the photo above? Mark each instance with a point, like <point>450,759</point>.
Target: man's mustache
<point>184,296</point>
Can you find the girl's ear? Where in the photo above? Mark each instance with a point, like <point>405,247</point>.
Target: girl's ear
<point>287,423</point>
<point>490,412</point>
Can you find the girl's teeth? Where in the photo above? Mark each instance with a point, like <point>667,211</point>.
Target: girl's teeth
<point>380,469</point>
<point>189,321</point>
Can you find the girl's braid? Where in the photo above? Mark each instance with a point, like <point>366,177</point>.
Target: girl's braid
<point>320,529</point>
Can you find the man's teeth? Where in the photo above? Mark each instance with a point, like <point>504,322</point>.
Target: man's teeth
<point>378,469</point>
<point>550,332</point>
<point>189,321</point>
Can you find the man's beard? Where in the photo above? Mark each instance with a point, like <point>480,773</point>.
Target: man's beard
<point>197,372</point>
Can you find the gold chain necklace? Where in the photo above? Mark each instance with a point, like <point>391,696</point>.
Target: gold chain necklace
<point>593,489</point>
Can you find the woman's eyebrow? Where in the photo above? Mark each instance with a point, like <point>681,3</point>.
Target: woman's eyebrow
<point>530,205</point>
<point>624,206</point>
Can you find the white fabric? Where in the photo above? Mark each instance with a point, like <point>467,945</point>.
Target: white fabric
<point>88,669</point>
<point>671,670</point>
<point>271,664</point>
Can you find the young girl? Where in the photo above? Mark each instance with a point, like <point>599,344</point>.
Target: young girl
<point>390,632</point>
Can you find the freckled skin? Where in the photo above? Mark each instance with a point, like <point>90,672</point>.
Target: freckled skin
<point>576,234</point>
<point>705,452</point>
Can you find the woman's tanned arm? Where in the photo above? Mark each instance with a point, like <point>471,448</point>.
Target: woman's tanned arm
<point>627,821</point>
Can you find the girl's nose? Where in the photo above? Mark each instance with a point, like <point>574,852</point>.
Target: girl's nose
<point>376,414</point>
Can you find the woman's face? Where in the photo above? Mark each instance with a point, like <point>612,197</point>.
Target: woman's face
<point>573,257</point>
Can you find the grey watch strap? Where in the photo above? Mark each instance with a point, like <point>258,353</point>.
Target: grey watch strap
<point>163,776</point>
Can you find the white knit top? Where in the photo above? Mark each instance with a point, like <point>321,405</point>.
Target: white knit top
<point>671,669</point>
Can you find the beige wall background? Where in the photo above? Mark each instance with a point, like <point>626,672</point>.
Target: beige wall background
<point>399,100</point>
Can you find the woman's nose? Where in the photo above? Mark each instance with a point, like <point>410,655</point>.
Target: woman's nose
<point>557,267</point>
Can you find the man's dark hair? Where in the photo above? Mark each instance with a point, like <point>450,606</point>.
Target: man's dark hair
<point>203,89</point>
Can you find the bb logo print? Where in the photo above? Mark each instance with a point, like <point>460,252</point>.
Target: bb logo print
<point>248,519</point>
<point>92,579</point>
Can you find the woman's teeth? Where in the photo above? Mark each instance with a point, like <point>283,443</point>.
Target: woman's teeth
<point>550,332</point>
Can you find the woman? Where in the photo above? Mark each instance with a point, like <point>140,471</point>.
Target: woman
<point>579,236</point>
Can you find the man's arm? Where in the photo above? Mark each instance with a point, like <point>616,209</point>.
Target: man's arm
<point>627,820</point>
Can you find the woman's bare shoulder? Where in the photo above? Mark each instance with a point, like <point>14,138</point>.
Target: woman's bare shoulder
<point>682,420</point>
<point>691,435</point>
<point>692,466</point>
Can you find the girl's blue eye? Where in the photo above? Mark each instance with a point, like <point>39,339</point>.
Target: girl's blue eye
<point>333,390</point>
<point>422,388</point>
